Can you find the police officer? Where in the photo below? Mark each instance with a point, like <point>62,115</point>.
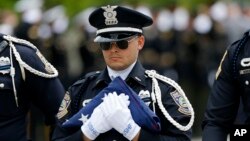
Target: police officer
<point>120,35</point>
<point>230,90</point>
<point>25,78</point>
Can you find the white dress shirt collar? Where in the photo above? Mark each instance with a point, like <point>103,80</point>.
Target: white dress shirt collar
<point>123,73</point>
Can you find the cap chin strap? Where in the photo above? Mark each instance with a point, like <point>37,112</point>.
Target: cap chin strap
<point>52,73</point>
<point>156,94</point>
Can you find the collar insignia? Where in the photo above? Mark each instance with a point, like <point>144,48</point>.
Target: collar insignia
<point>110,15</point>
<point>138,79</point>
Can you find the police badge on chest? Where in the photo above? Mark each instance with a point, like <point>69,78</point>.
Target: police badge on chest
<point>4,65</point>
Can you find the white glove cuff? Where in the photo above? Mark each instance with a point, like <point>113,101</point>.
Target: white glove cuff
<point>131,130</point>
<point>89,131</point>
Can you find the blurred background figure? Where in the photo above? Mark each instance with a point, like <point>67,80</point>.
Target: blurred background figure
<point>30,18</point>
<point>8,21</point>
<point>86,32</point>
<point>55,22</point>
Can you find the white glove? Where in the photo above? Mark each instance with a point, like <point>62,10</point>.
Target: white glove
<point>96,124</point>
<point>115,109</point>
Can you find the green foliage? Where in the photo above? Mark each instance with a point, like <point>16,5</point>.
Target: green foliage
<point>74,6</point>
<point>7,4</point>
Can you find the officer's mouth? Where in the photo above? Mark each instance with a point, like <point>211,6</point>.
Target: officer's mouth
<point>115,58</point>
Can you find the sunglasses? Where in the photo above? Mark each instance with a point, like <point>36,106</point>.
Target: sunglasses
<point>123,44</point>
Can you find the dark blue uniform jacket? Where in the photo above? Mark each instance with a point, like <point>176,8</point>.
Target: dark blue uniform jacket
<point>80,93</point>
<point>45,93</point>
<point>231,86</point>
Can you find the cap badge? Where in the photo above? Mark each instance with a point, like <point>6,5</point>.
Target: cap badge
<point>110,15</point>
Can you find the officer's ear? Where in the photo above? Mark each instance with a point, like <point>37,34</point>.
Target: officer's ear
<point>141,41</point>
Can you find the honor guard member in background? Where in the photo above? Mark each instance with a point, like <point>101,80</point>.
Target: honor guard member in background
<point>25,78</point>
<point>231,89</point>
<point>120,35</point>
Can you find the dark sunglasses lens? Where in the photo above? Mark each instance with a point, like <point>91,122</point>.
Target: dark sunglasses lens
<point>122,44</point>
<point>105,46</point>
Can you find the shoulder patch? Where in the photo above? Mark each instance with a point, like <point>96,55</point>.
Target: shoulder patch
<point>63,110</point>
<point>180,101</point>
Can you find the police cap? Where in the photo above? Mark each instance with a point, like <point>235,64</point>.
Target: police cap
<point>116,23</point>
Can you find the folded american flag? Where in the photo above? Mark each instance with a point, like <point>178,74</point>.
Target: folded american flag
<point>140,112</point>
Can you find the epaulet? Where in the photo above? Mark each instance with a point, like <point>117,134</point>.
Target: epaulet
<point>88,76</point>
<point>52,72</point>
<point>11,42</point>
<point>18,41</point>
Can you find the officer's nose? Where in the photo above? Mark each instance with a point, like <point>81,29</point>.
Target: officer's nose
<point>113,46</point>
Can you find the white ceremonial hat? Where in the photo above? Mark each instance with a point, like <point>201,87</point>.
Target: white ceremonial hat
<point>202,23</point>
<point>23,5</point>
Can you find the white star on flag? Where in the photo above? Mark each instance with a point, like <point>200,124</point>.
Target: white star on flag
<point>83,118</point>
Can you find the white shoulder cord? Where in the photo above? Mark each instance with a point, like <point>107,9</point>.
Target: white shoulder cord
<point>156,90</point>
<point>53,71</point>
<point>12,74</point>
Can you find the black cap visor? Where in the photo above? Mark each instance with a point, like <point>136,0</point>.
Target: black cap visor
<point>114,37</point>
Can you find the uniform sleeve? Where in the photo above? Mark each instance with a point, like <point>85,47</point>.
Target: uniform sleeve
<point>45,93</point>
<point>64,113</point>
<point>222,103</point>
<point>175,106</point>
